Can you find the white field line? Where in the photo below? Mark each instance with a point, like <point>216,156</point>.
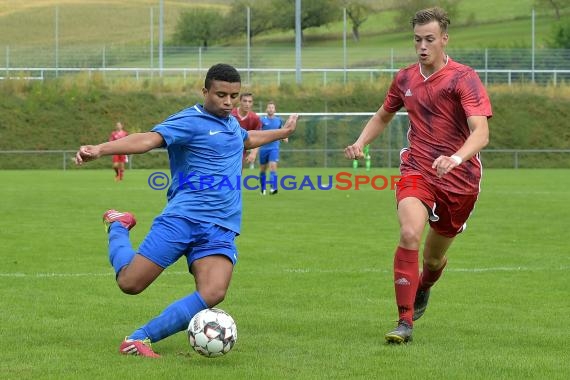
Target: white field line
<point>295,271</point>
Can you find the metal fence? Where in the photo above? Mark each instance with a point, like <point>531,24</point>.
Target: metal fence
<point>324,65</point>
<point>318,142</point>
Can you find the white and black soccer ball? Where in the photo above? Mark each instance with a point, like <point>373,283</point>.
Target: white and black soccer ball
<point>212,332</point>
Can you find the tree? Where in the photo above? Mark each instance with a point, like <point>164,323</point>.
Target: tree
<point>357,12</point>
<point>198,26</point>
<point>560,36</point>
<point>407,9</point>
<point>557,5</point>
<point>235,22</point>
<point>314,13</point>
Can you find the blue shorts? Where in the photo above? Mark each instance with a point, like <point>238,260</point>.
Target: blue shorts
<point>268,155</point>
<point>172,237</point>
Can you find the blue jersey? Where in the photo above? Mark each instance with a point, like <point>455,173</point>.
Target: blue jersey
<point>205,153</point>
<point>269,123</point>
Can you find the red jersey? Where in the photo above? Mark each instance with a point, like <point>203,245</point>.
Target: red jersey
<point>438,108</point>
<point>250,122</point>
<point>115,135</point>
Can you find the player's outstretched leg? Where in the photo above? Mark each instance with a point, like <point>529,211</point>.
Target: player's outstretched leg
<point>117,224</point>
<point>137,347</point>
<point>173,319</point>
<point>401,334</point>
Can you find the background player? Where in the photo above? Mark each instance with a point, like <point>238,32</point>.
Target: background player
<point>448,108</point>
<point>119,159</point>
<point>269,153</point>
<point>249,121</point>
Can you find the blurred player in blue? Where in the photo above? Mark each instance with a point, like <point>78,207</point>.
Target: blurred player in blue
<point>200,223</point>
<point>269,153</point>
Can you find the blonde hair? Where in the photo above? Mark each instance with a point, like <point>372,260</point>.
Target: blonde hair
<point>425,16</point>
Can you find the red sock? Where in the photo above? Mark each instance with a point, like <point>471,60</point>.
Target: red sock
<point>121,173</point>
<point>406,279</point>
<point>429,277</point>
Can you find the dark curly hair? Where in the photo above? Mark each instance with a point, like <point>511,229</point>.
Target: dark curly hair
<point>222,72</point>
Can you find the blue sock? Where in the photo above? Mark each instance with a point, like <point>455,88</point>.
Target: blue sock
<point>263,180</point>
<point>273,180</point>
<point>120,249</point>
<point>173,319</point>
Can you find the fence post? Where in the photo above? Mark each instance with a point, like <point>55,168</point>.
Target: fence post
<point>200,59</point>
<point>7,61</point>
<point>486,65</point>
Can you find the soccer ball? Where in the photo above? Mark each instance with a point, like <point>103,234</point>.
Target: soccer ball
<point>212,332</point>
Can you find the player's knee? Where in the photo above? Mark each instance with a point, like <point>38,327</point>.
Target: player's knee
<point>213,296</point>
<point>434,263</point>
<point>128,286</point>
<point>410,237</point>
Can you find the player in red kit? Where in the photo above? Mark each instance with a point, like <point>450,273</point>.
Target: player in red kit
<point>448,108</point>
<point>120,159</point>
<point>249,121</point>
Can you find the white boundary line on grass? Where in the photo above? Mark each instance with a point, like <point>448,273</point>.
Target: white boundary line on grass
<point>293,270</point>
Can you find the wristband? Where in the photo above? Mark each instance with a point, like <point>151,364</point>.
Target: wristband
<point>457,159</point>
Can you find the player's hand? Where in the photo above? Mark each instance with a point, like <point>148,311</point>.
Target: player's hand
<point>443,165</point>
<point>291,124</point>
<point>87,153</point>
<point>353,152</point>
<point>250,158</point>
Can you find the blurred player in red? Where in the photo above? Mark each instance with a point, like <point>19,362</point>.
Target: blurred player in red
<point>119,159</point>
<point>249,121</point>
<point>448,108</point>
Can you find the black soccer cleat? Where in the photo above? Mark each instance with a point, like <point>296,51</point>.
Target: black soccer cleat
<point>401,334</point>
<point>420,303</point>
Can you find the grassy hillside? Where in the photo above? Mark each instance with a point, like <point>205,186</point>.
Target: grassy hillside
<point>64,116</point>
<point>67,113</point>
<point>128,22</point>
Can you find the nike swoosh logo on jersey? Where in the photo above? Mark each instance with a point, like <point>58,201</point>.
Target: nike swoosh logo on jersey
<point>212,133</point>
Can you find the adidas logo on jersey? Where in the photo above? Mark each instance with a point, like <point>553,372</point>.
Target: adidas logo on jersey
<point>408,92</point>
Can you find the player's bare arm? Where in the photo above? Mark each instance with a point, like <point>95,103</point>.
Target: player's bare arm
<point>374,127</point>
<point>477,140</point>
<point>251,156</point>
<point>259,138</point>
<point>133,144</point>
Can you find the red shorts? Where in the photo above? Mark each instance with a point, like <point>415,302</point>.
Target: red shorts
<point>448,212</point>
<point>120,158</point>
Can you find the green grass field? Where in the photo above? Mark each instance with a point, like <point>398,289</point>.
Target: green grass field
<point>312,293</point>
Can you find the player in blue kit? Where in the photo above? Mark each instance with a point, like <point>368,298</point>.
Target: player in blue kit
<point>269,153</point>
<point>200,223</point>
